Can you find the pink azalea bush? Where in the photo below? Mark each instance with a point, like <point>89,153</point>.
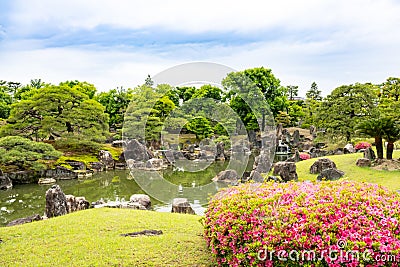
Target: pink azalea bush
<point>322,217</point>
<point>362,145</point>
<point>304,156</point>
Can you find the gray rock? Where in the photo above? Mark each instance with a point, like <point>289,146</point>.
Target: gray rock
<point>28,219</point>
<point>76,165</point>
<point>56,203</point>
<point>47,181</point>
<point>363,162</point>
<point>322,164</point>
<point>106,159</point>
<point>220,151</point>
<point>262,163</point>
<point>330,175</point>
<point>117,143</point>
<point>141,199</point>
<point>286,170</point>
<point>76,203</point>
<point>181,205</point>
<point>296,137</point>
<point>135,150</point>
<point>5,183</point>
<point>227,176</point>
<point>155,164</point>
<point>369,153</point>
<point>97,166</point>
<point>256,177</point>
<point>191,149</point>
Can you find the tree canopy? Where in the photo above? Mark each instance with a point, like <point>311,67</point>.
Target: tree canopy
<point>56,110</point>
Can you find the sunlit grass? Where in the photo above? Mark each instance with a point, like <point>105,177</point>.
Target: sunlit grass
<point>347,163</point>
<point>92,238</point>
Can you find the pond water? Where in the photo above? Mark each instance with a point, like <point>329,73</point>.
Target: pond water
<point>28,199</point>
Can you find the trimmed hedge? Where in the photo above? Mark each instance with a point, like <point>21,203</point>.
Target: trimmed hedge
<point>261,225</point>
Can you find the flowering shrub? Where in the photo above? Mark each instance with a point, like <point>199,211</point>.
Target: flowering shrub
<point>304,156</point>
<point>328,218</point>
<point>362,145</point>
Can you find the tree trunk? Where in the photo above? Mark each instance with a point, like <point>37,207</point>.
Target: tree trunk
<point>348,137</point>
<point>379,147</point>
<point>389,150</point>
<point>69,127</point>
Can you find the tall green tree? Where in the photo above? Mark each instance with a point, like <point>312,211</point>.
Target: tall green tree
<point>57,110</point>
<point>314,93</point>
<point>292,91</point>
<point>345,107</point>
<point>116,102</point>
<point>83,87</point>
<point>252,85</point>
<point>145,115</point>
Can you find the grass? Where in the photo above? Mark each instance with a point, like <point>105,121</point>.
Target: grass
<point>87,158</point>
<point>347,163</point>
<point>92,238</point>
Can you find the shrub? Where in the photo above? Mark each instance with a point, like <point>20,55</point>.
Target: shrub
<point>75,145</point>
<point>23,153</point>
<point>304,156</point>
<point>321,217</point>
<point>362,145</point>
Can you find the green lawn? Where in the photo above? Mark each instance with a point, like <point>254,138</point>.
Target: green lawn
<point>347,163</point>
<point>92,238</point>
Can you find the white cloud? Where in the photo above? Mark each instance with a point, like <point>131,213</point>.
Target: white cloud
<point>330,42</point>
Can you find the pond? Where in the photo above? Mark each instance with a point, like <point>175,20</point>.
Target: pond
<point>28,199</point>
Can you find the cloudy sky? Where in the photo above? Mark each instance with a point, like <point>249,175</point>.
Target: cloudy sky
<point>117,43</point>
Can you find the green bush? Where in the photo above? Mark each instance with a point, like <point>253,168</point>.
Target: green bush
<point>75,145</point>
<point>26,154</point>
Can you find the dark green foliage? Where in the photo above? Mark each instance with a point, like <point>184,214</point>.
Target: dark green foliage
<point>201,127</point>
<point>77,145</point>
<point>24,153</point>
<point>57,110</point>
<point>116,102</point>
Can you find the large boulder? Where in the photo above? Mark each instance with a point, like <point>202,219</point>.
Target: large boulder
<point>106,158</point>
<point>227,176</point>
<point>262,163</point>
<point>330,175</point>
<point>256,177</point>
<point>286,170</point>
<point>136,151</point>
<point>76,203</point>
<point>296,137</point>
<point>28,219</point>
<point>181,205</point>
<point>363,162</point>
<point>322,164</point>
<point>220,151</point>
<point>56,203</point>
<point>154,164</point>
<point>5,183</point>
<point>142,200</point>
<point>369,153</point>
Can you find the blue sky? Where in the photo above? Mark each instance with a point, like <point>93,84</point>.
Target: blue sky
<point>117,43</point>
